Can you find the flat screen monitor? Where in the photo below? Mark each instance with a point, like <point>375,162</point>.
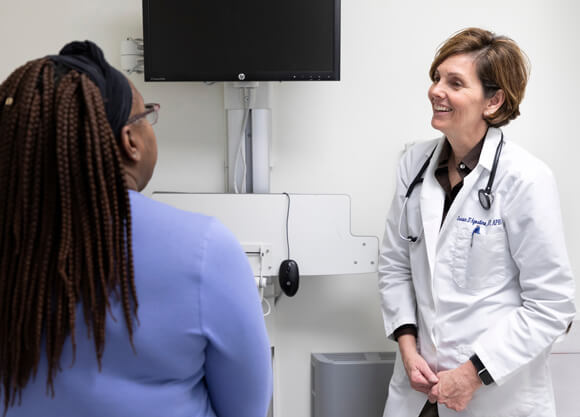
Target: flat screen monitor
<point>241,40</point>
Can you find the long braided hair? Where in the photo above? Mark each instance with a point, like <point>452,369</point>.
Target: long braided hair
<point>65,221</point>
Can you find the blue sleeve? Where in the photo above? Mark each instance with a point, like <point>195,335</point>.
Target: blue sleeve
<point>238,361</point>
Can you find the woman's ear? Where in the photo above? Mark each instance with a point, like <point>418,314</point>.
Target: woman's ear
<point>129,147</point>
<point>495,102</point>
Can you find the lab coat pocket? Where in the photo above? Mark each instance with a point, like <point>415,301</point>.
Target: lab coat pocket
<point>479,257</point>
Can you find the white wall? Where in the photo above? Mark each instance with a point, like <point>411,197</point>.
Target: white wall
<point>338,137</point>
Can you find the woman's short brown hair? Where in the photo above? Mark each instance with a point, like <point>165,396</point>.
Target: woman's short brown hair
<point>500,64</point>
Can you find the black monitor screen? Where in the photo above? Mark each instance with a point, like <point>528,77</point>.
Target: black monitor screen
<point>251,40</point>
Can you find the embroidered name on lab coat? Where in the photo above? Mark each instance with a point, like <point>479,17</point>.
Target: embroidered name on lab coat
<point>480,222</point>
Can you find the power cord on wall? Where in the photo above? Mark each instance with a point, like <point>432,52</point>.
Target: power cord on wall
<point>268,307</point>
<point>287,218</point>
<point>247,100</point>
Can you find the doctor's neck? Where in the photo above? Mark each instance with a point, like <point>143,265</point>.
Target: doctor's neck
<point>464,142</point>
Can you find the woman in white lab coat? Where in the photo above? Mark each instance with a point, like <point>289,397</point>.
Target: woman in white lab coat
<point>474,275</point>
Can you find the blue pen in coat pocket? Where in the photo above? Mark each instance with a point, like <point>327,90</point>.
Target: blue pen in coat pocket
<point>475,231</point>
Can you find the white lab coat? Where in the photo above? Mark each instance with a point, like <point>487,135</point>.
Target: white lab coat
<point>505,293</point>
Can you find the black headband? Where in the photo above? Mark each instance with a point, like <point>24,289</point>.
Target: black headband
<point>87,58</point>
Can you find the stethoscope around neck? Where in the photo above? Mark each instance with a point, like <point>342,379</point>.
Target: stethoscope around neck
<point>484,195</point>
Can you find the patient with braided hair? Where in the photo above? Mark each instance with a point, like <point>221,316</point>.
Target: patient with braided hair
<point>112,304</point>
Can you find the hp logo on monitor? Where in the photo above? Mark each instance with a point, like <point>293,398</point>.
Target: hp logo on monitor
<point>241,76</point>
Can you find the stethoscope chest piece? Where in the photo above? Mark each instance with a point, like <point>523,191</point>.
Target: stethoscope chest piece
<point>485,199</point>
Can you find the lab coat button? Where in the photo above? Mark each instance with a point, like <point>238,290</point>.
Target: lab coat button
<point>462,165</point>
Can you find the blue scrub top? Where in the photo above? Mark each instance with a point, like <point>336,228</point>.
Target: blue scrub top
<point>201,343</point>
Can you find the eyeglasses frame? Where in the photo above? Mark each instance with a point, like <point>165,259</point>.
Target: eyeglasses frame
<point>150,108</point>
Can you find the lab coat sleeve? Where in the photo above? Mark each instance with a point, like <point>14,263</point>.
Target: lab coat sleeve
<point>238,361</point>
<point>395,285</point>
<point>535,235</point>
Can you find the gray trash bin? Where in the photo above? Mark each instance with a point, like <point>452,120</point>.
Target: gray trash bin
<point>350,384</point>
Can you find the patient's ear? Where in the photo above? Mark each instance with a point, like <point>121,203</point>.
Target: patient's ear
<point>130,144</point>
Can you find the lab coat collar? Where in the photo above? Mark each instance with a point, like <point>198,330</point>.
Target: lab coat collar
<point>489,146</point>
<point>433,196</point>
<point>432,200</point>
<point>468,190</point>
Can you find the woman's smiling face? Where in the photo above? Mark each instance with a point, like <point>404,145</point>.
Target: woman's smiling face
<point>457,98</point>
